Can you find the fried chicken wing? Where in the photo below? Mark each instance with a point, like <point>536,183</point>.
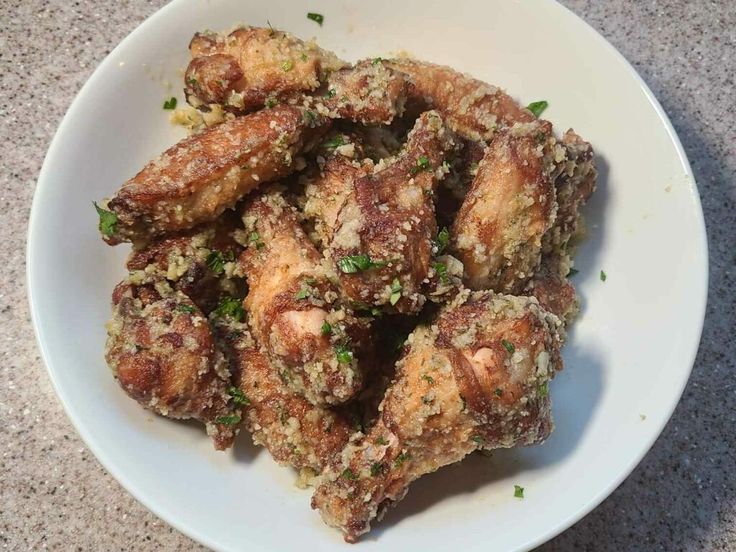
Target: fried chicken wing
<point>199,262</point>
<point>295,432</point>
<point>253,66</point>
<point>510,206</point>
<point>471,108</point>
<point>314,342</point>
<point>369,93</point>
<point>475,379</point>
<point>162,352</point>
<point>381,243</point>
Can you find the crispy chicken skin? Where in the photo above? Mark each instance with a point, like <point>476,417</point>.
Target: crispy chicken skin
<point>195,180</point>
<point>471,108</point>
<point>199,262</point>
<point>295,432</point>
<point>389,216</point>
<point>510,206</point>
<point>314,342</point>
<point>162,352</point>
<point>248,67</point>
<point>475,379</point>
<point>369,93</point>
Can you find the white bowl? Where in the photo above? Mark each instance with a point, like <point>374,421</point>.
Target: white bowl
<point>628,356</point>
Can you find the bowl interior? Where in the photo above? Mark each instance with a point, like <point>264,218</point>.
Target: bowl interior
<point>627,358</point>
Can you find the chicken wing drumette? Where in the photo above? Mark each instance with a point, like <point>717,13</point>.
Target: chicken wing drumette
<point>315,343</point>
<point>295,432</point>
<point>162,352</point>
<point>252,67</point>
<point>380,226</point>
<point>470,107</point>
<point>510,205</point>
<point>199,262</point>
<point>197,179</point>
<point>475,379</point>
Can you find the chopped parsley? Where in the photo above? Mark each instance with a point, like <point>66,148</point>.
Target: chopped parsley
<point>335,142</point>
<point>498,392</point>
<point>441,270</point>
<point>603,276</point>
<point>316,17</point>
<point>310,117</point>
<point>344,354</point>
<point>302,294</point>
<point>238,396</point>
<point>228,420</point>
<point>537,107</point>
<point>108,221</point>
<point>544,389</point>
<point>287,65</point>
<point>330,93</point>
<point>477,439</point>
<point>232,307</point>
<point>422,165</point>
<point>349,474</point>
<point>326,328</point>
<point>428,379</point>
<point>185,308</point>
<point>376,61</point>
<point>443,239</point>
<point>395,291</point>
<point>170,103</point>
<point>508,346</point>
<point>572,272</point>
<point>518,491</point>
<point>376,469</point>
<point>401,458</point>
<point>271,102</point>
<point>381,441</point>
<point>255,239</point>
<point>354,263</point>
<point>216,260</point>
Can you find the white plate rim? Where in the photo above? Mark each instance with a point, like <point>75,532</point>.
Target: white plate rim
<point>148,500</point>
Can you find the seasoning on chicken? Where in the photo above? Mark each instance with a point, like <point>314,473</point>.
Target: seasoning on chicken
<point>314,342</point>
<point>510,206</point>
<point>470,107</point>
<point>477,378</point>
<point>195,180</point>
<point>162,352</point>
<point>381,242</point>
<point>252,67</point>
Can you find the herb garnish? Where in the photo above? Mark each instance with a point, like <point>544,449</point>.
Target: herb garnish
<point>108,221</point>
<point>518,491</point>
<point>381,441</point>
<point>603,276</point>
<point>170,103</point>
<point>537,107</point>
<point>401,458</point>
<point>498,392</point>
<point>429,379</point>
<point>326,328</point>
<point>310,117</point>
<point>344,354</point>
<point>330,93</point>
<point>443,239</point>
<point>376,61</point>
<point>376,468</point>
<point>335,142</point>
<point>422,165</point>
<point>353,263</point>
<point>232,307</point>
<point>271,102</point>
<point>228,420</point>
<point>316,17</point>
<point>544,389</point>
<point>441,270</point>
<point>238,396</point>
<point>349,474</point>
<point>395,291</point>
<point>255,238</point>
<point>185,308</point>
<point>302,294</point>
<point>287,65</point>
<point>216,260</point>
<point>508,346</point>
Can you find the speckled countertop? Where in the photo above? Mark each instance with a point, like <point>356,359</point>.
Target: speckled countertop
<point>55,495</point>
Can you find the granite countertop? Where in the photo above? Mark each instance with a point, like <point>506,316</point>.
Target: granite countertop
<point>55,495</point>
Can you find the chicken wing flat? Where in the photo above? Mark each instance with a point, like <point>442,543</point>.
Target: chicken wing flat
<point>471,108</point>
<point>252,67</point>
<point>162,352</point>
<point>199,262</point>
<point>477,378</point>
<point>381,244</point>
<point>314,342</point>
<point>197,179</point>
<point>369,93</point>
<point>510,206</point>
<point>295,432</point>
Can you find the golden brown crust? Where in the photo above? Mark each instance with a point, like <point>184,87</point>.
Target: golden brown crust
<point>476,379</point>
<point>244,69</point>
<point>389,216</point>
<point>498,231</point>
<point>195,180</point>
<point>162,352</point>
<point>290,301</point>
<point>472,108</point>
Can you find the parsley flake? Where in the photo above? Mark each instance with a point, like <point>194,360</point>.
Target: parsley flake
<point>108,221</point>
<point>428,379</point>
<point>310,117</point>
<point>401,458</point>
<point>508,346</point>
<point>395,291</point>
<point>349,474</point>
<point>188,309</point>
<point>441,270</point>
<point>228,420</point>
<point>603,276</point>
<point>376,61</point>
<point>354,263</point>
<point>537,107</point>
<point>381,441</point>
<point>498,392</point>
<point>232,307</point>
<point>477,439</point>
<point>238,396</point>
<point>443,239</point>
<point>216,260</point>
<point>316,17</point>
<point>518,491</point>
<point>326,328</point>
<point>330,93</point>
<point>422,165</point>
<point>255,239</point>
<point>335,142</point>
<point>170,103</point>
<point>544,389</point>
<point>376,468</point>
<point>344,354</point>
<point>271,102</point>
<point>287,65</point>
